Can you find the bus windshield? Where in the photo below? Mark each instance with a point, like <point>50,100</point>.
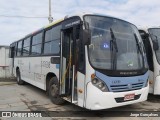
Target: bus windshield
<point>115,44</point>
<point>155,35</point>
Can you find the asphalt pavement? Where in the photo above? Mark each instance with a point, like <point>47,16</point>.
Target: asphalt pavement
<point>26,97</point>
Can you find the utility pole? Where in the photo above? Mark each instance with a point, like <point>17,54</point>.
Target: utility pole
<point>50,18</point>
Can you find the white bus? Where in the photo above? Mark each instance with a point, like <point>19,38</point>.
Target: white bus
<point>151,40</point>
<point>93,61</point>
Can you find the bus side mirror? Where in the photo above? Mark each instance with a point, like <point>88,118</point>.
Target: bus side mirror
<point>144,35</point>
<point>86,37</point>
<point>155,45</point>
<point>155,42</point>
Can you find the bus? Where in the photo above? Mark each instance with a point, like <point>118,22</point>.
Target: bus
<point>151,40</point>
<point>91,60</point>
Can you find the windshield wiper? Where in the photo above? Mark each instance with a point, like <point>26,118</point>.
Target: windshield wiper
<point>114,49</point>
<point>138,44</point>
<point>139,48</point>
<point>114,42</point>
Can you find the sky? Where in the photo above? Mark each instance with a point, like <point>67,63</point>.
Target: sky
<point>14,27</point>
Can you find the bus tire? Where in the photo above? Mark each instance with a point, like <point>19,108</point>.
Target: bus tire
<point>19,80</point>
<point>54,92</point>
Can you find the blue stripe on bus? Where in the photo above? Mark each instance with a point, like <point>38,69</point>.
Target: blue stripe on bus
<point>120,84</point>
<point>57,66</point>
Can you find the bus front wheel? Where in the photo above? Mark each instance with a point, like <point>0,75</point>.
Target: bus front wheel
<point>54,91</point>
<point>19,80</point>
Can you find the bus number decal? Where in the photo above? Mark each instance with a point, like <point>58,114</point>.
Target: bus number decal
<point>45,64</point>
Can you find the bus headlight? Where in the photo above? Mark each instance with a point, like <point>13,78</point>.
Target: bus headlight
<point>94,81</point>
<point>99,84</point>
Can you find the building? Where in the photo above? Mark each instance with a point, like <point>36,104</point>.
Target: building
<point>4,62</point>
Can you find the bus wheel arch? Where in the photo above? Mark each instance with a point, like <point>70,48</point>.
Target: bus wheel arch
<point>54,91</point>
<point>17,68</point>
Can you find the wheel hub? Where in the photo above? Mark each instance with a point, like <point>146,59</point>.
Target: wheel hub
<point>54,90</point>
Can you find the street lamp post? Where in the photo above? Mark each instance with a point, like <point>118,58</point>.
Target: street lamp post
<point>50,18</point>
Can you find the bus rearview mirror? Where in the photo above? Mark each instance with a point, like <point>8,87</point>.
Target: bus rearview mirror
<point>144,35</point>
<point>86,37</point>
<point>155,45</point>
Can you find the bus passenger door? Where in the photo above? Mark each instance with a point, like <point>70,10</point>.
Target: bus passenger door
<point>12,55</point>
<point>68,69</point>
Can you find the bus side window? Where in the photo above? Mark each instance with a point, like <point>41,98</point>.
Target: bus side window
<point>52,41</point>
<point>149,52</point>
<point>26,47</point>
<point>36,44</point>
<point>19,48</point>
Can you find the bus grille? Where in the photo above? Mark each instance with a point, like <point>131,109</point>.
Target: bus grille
<point>126,87</point>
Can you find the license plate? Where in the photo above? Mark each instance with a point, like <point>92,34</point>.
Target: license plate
<point>129,97</point>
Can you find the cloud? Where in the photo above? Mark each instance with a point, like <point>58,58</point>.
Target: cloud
<point>144,13</point>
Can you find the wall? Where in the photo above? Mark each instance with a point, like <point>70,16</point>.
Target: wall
<point>4,62</point>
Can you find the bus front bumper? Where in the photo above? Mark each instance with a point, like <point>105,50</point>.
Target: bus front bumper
<point>96,99</point>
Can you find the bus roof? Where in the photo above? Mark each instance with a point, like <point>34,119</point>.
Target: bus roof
<point>53,23</point>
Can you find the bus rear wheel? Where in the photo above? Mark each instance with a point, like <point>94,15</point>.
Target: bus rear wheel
<point>19,80</point>
<point>54,92</point>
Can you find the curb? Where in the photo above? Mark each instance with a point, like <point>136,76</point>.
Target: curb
<point>7,83</point>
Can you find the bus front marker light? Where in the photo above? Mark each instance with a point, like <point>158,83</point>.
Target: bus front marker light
<point>150,82</point>
<point>93,76</point>
<point>80,91</point>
